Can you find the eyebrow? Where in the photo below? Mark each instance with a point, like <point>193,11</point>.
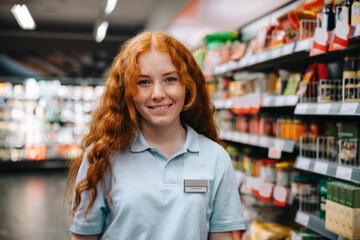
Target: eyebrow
<point>165,74</point>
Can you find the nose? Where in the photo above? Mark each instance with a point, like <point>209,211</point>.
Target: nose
<point>158,91</point>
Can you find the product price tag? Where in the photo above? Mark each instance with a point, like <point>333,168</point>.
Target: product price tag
<point>287,49</point>
<point>253,140</point>
<point>266,101</point>
<point>252,60</point>
<point>323,108</point>
<point>301,108</point>
<point>274,153</point>
<point>244,138</point>
<point>228,135</point>
<point>275,53</point>
<point>264,56</point>
<point>228,103</point>
<point>321,167</point>
<point>348,108</point>
<point>243,62</point>
<point>343,172</point>
<point>263,141</point>
<point>292,100</point>
<point>302,218</point>
<point>303,45</point>
<point>280,101</point>
<point>218,103</point>
<point>237,136</point>
<point>302,163</point>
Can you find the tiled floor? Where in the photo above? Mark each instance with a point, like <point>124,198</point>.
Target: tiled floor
<point>32,206</point>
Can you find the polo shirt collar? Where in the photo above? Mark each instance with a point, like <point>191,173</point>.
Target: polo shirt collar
<point>191,143</point>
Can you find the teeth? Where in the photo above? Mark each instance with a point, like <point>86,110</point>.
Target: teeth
<point>161,107</point>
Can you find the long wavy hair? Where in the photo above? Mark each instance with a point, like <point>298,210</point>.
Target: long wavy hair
<point>116,121</point>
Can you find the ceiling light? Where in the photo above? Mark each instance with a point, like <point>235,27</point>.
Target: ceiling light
<point>110,6</point>
<point>23,17</point>
<point>101,31</point>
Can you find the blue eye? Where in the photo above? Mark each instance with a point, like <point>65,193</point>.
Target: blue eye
<point>171,79</point>
<point>143,82</point>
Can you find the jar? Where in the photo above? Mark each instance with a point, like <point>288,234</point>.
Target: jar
<point>262,169</point>
<point>283,173</point>
<point>301,184</point>
<point>270,174</point>
<point>299,129</point>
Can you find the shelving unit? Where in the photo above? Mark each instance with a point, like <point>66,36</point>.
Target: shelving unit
<point>314,223</point>
<point>43,119</point>
<point>292,56</point>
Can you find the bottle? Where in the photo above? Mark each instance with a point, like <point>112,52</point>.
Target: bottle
<point>349,75</point>
<point>328,19</point>
<point>355,14</point>
<point>338,4</point>
<point>348,10</point>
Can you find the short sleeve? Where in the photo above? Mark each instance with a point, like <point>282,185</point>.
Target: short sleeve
<point>227,212</point>
<point>96,216</point>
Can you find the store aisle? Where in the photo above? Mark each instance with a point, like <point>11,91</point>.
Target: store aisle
<point>32,206</point>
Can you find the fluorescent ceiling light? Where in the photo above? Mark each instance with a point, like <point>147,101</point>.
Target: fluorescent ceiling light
<point>110,6</point>
<point>23,17</point>
<point>101,31</point>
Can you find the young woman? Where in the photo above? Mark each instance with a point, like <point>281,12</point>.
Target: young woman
<point>152,167</point>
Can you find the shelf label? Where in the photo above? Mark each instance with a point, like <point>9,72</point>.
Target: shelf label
<point>243,62</point>
<point>237,136</point>
<point>292,100</point>
<point>348,108</point>
<point>275,53</point>
<point>288,49</point>
<point>253,140</point>
<point>343,172</point>
<point>263,141</point>
<point>301,108</point>
<point>262,57</point>
<point>303,45</point>
<point>244,138</point>
<point>228,103</point>
<point>323,108</point>
<point>274,153</point>
<point>302,163</point>
<point>252,60</point>
<point>280,101</point>
<point>302,218</point>
<point>321,167</point>
<point>266,101</point>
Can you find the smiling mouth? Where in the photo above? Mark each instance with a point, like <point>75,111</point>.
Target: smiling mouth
<point>161,107</point>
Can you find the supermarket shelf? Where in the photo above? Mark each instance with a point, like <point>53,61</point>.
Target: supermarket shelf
<point>276,54</point>
<point>336,108</point>
<point>258,140</point>
<point>330,169</point>
<point>55,164</point>
<point>314,223</point>
<point>266,101</point>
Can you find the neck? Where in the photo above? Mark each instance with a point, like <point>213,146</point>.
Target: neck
<point>166,139</point>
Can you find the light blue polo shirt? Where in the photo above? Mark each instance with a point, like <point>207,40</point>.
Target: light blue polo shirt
<point>148,197</point>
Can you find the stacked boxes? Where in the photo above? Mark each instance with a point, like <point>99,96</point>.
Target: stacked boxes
<point>343,209</point>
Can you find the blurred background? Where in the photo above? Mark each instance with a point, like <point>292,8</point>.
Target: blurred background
<point>260,69</point>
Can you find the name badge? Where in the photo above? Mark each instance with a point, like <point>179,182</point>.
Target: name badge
<point>195,186</point>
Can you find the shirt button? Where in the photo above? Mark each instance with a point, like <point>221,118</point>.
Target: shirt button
<point>167,166</point>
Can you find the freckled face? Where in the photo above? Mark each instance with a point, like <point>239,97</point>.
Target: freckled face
<point>161,95</point>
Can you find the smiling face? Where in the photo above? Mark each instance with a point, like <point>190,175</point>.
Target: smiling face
<point>161,95</point>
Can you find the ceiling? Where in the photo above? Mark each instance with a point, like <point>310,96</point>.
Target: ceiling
<point>64,24</point>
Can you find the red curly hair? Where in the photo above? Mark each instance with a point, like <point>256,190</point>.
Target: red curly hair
<point>116,121</point>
